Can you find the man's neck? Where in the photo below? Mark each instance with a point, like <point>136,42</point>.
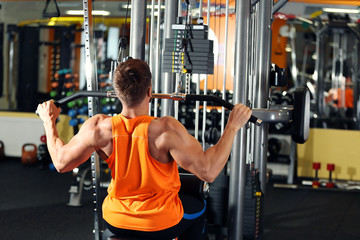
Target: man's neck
<point>135,111</point>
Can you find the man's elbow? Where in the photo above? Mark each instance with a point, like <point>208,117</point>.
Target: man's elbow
<point>208,175</point>
<point>209,178</point>
<point>60,168</point>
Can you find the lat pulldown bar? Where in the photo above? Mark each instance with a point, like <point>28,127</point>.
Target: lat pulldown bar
<point>174,96</point>
<point>299,113</point>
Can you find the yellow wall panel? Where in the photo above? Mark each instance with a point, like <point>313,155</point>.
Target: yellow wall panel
<point>341,147</point>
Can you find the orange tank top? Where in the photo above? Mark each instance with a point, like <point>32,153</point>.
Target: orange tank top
<point>143,193</point>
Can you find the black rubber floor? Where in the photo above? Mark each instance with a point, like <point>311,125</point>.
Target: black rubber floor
<point>33,206</point>
<point>307,214</point>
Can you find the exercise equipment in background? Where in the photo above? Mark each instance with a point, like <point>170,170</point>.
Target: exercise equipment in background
<point>29,154</point>
<point>2,151</point>
<point>43,155</point>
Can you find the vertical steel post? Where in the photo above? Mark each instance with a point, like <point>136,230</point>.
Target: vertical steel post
<point>263,58</point>
<point>171,9</point>
<point>319,73</point>
<point>238,160</point>
<point>355,80</point>
<point>225,64</point>
<point>93,104</point>
<point>200,8</point>
<point>294,70</point>
<point>152,30</point>
<point>180,8</point>
<point>138,29</point>
<point>342,58</point>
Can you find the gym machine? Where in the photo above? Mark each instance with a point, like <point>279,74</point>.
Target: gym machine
<point>337,49</point>
<point>243,145</point>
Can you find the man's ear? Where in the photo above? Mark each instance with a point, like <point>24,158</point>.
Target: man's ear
<point>149,92</point>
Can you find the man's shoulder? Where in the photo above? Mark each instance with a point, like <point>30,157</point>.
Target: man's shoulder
<point>98,120</point>
<point>165,123</point>
<point>167,120</point>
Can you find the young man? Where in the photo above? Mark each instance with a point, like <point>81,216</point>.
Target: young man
<point>143,153</point>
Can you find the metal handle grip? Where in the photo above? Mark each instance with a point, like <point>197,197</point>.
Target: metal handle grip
<point>220,102</point>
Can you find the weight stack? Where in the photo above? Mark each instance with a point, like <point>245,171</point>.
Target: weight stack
<point>188,50</point>
<point>218,201</point>
<point>253,206</point>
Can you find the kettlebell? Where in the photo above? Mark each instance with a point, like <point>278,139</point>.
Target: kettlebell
<point>29,152</point>
<point>2,151</point>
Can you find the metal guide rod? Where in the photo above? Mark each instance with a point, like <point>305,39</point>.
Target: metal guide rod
<point>356,83</point>
<point>151,38</point>
<point>92,85</point>
<point>343,38</point>
<point>157,59</point>
<point>238,159</point>
<point>179,8</point>
<point>197,104</point>
<point>225,63</point>
<point>303,68</point>
<point>138,29</point>
<point>151,46</point>
<point>334,77</point>
<point>197,107</point>
<point>169,78</point>
<point>263,57</point>
<point>252,83</point>
<point>205,84</point>
<point>318,73</point>
<point>10,74</point>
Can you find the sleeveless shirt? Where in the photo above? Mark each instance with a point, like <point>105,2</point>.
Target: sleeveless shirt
<point>143,193</point>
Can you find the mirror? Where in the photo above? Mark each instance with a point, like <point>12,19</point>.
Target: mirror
<point>323,53</point>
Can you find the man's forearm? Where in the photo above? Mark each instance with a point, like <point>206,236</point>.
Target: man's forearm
<point>54,142</point>
<point>218,154</point>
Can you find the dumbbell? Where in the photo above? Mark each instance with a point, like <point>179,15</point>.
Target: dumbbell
<point>72,113</point>
<point>76,121</point>
<point>316,167</point>
<point>330,167</point>
<point>83,110</point>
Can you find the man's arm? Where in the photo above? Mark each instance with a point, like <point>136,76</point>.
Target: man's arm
<point>188,152</point>
<point>66,157</point>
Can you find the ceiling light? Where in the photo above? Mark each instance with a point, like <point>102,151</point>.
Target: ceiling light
<point>147,6</point>
<point>81,12</point>
<point>341,10</point>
